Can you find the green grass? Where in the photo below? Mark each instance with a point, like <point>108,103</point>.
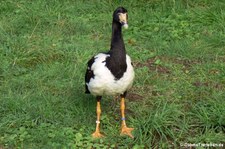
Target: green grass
<point>178,50</point>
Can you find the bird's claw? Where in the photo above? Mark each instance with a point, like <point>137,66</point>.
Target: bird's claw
<point>127,131</point>
<point>97,134</point>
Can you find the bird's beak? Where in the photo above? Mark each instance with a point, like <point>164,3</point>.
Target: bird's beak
<point>123,19</point>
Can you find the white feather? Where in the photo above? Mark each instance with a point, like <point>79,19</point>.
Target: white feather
<point>125,26</point>
<point>104,83</point>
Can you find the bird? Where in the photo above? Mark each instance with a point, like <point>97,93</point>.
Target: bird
<point>111,73</point>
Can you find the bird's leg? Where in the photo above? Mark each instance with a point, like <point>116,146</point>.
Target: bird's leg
<point>124,129</point>
<point>97,133</point>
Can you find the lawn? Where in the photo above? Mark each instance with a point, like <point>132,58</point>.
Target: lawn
<point>178,51</point>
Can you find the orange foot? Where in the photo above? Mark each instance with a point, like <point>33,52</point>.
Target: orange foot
<point>97,134</point>
<point>127,131</point>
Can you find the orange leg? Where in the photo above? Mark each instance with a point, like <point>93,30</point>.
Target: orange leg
<point>124,129</point>
<point>97,133</point>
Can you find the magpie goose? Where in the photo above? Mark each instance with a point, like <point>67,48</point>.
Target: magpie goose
<point>111,73</point>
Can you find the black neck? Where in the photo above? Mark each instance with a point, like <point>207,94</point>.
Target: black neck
<point>116,63</point>
<point>117,44</point>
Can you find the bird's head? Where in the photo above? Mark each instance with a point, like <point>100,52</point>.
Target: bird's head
<point>120,15</point>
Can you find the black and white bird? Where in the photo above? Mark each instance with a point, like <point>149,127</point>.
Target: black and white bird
<point>111,73</point>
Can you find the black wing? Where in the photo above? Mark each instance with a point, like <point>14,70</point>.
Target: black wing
<point>89,74</point>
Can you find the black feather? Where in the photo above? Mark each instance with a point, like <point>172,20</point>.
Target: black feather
<point>89,74</point>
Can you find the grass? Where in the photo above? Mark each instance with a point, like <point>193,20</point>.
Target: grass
<point>177,48</point>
